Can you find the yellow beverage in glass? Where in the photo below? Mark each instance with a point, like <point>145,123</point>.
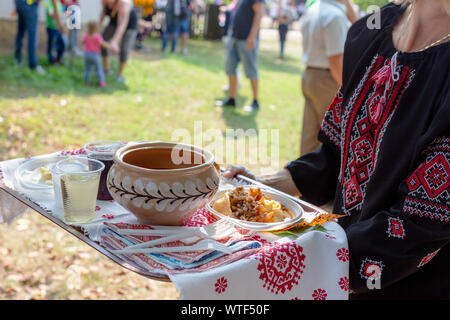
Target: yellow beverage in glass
<point>79,194</point>
<point>79,187</point>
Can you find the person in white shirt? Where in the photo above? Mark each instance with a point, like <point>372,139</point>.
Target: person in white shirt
<point>324,30</point>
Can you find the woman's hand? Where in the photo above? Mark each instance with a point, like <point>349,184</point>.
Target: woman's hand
<point>233,171</point>
<point>281,180</point>
<point>114,46</point>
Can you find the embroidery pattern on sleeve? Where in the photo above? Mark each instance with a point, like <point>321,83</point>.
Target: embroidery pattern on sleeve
<point>364,120</point>
<point>427,258</point>
<point>331,123</point>
<point>371,268</point>
<point>429,184</point>
<point>395,228</point>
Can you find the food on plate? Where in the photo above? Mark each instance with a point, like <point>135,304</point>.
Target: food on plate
<point>46,176</point>
<point>251,205</point>
<point>40,175</point>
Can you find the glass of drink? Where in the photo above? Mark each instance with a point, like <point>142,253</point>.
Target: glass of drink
<point>103,151</point>
<point>79,180</point>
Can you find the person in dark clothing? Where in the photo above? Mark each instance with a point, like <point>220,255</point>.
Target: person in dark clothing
<point>121,32</point>
<point>229,10</point>
<point>385,154</point>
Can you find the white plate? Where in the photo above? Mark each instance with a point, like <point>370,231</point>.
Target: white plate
<point>47,162</point>
<point>293,207</point>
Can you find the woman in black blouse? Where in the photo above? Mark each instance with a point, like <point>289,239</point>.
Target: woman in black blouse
<point>385,157</point>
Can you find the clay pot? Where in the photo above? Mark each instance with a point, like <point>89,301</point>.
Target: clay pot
<point>163,183</point>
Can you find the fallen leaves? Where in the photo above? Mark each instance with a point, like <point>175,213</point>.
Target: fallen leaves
<point>44,262</point>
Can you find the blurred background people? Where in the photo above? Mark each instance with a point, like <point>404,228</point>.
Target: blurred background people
<point>121,32</point>
<point>145,11</point>
<point>324,29</point>
<point>286,14</point>
<point>228,9</point>
<point>27,22</point>
<point>178,14</point>
<point>93,42</point>
<point>185,27</point>
<point>242,45</point>
<point>56,42</point>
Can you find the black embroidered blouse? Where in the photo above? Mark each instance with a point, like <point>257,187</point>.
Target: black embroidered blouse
<point>385,160</point>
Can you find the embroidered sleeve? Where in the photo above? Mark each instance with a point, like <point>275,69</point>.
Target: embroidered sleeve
<point>400,241</point>
<point>331,124</point>
<point>429,185</point>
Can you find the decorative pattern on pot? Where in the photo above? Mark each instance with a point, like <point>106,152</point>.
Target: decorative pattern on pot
<point>146,194</point>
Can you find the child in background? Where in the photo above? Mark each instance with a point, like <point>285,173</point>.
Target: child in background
<point>93,41</point>
<point>54,31</point>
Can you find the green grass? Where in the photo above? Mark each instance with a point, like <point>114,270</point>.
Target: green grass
<point>163,93</point>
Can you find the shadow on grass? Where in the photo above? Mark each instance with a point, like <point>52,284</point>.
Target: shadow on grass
<point>239,119</point>
<point>21,82</point>
<point>236,117</point>
<point>211,55</point>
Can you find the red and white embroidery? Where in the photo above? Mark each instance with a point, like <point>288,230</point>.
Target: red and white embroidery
<point>73,152</point>
<point>221,285</point>
<point>371,268</point>
<point>361,123</point>
<point>427,258</point>
<point>331,123</point>
<point>319,294</point>
<point>395,228</point>
<point>429,184</point>
<point>344,283</point>
<point>342,254</point>
<point>281,266</point>
<point>201,218</point>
